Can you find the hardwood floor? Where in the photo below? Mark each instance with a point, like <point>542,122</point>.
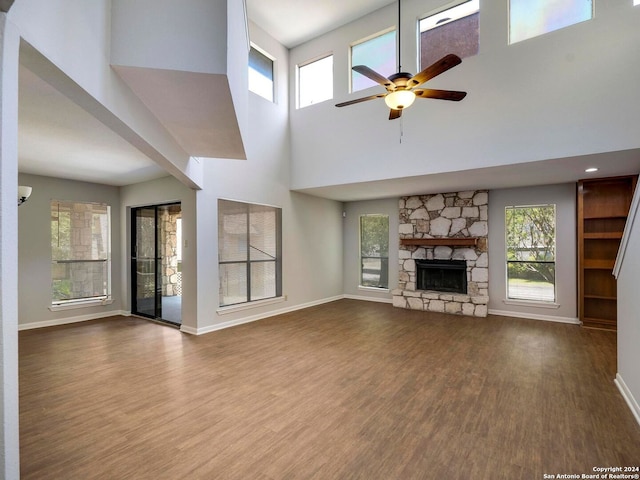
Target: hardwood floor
<point>346,390</point>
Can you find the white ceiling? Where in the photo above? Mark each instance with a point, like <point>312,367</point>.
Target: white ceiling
<point>58,138</point>
<point>293,22</point>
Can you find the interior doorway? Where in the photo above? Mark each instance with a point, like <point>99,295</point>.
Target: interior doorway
<point>156,262</point>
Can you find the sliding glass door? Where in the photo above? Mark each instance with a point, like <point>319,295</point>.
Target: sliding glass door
<point>156,262</point>
<point>145,263</point>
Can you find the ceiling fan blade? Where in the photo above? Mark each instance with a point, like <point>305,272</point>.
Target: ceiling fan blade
<point>375,76</point>
<point>393,114</point>
<point>452,95</point>
<point>359,100</point>
<point>441,66</point>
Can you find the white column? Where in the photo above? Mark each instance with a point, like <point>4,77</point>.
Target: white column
<point>9,432</point>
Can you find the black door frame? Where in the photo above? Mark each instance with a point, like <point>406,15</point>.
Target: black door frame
<point>158,260</point>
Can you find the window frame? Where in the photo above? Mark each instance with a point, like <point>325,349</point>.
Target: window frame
<point>265,54</point>
<point>440,11</point>
<point>529,299</point>
<point>79,302</point>
<point>362,41</point>
<point>301,66</point>
<point>382,285</point>
<point>248,260</point>
<point>511,41</point>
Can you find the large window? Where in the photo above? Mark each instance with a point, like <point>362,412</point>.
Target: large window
<point>315,82</point>
<point>249,252</point>
<point>377,53</point>
<point>80,252</point>
<point>454,30</point>
<point>530,18</point>
<point>374,251</point>
<point>531,252</point>
<point>260,74</point>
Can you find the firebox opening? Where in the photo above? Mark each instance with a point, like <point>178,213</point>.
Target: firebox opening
<point>442,275</point>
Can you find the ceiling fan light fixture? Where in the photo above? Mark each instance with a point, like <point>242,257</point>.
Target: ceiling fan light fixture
<point>400,99</point>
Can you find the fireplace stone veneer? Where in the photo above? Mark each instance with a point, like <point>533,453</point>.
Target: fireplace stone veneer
<point>444,216</point>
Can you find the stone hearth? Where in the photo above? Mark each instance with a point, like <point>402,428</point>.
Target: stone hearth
<point>429,222</point>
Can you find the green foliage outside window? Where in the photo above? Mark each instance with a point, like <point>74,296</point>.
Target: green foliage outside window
<point>374,251</point>
<point>531,252</point>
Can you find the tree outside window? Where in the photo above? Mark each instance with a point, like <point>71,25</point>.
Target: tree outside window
<point>374,251</point>
<point>531,252</point>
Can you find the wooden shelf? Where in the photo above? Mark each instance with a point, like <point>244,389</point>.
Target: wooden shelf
<point>598,264</point>
<point>603,205</point>
<point>600,297</point>
<point>599,323</point>
<point>604,217</point>
<point>451,242</point>
<point>603,236</point>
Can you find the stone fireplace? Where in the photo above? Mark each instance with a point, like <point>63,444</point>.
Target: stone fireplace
<point>443,253</point>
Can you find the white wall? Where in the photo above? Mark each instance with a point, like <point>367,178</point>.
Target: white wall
<point>156,192</point>
<point>553,96</point>
<point>351,236</point>
<point>564,197</point>
<point>190,35</point>
<point>74,36</point>
<point>628,378</point>
<point>34,250</point>
<point>312,227</point>
<point>9,430</point>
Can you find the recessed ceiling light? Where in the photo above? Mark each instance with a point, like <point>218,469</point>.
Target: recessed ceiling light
<point>591,170</point>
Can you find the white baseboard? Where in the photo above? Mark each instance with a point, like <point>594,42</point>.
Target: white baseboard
<point>535,316</point>
<point>67,320</point>
<point>628,396</point>
<point>368,299</point>
<point>254,318</point>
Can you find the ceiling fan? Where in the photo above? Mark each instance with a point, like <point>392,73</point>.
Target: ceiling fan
<point>401,86</point>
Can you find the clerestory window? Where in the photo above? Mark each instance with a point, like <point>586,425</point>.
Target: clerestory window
<point>453,30</point>
<point>531,18</point>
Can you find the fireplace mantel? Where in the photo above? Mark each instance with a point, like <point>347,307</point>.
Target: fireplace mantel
<point>451,242</point>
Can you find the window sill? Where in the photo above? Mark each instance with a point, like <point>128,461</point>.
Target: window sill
<point>531,303</point>
<point>250,305</point>
<point>374,289</point>
<point>82,304</point>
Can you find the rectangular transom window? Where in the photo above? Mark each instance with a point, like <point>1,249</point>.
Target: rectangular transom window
<point>377,53</point>
<point>260,74</point>
<point>454,30</point>
<point>80,252</point>
<point>315,82</point>
<point>374,251</point>
<point>249,252</point>
<point>531,252</point>
<point>530,18</point>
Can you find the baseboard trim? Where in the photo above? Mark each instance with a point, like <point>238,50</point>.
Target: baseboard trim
<point>368,299</point>
<point>535,316</point>
<point>255,318</point>
<point>68,320</point>
<point>628,397</point>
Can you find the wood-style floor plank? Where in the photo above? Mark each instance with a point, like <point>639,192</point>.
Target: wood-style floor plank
<point>346,390</point>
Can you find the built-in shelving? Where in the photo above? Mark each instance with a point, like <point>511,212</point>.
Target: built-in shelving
<point>603,205</point>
